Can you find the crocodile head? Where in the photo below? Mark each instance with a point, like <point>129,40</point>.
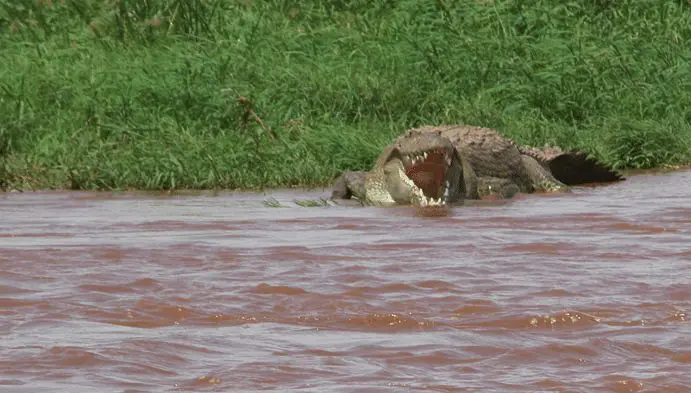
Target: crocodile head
<point>421,169</point>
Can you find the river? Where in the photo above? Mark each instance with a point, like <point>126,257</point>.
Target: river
<point>133,292</point>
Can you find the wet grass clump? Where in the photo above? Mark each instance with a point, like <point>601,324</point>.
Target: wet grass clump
<point>168,94</point>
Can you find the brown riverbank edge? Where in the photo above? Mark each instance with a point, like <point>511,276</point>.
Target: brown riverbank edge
<point>307,188</point>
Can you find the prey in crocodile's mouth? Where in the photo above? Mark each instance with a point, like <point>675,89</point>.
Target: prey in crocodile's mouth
<point>427,170</point>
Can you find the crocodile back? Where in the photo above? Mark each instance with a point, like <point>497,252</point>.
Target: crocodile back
<point>488,152</point>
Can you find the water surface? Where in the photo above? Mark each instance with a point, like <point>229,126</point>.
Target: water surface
<point>586,292</point>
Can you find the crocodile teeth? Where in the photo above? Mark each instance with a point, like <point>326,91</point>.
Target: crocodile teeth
<point>424,201</point>
<point>419,194</point>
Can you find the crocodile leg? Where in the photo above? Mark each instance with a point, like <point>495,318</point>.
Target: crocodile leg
<point>540,178</point>
<point>497,187</point>
<point>349,185</point>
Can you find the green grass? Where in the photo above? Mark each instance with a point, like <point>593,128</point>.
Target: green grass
<point>168,94</point>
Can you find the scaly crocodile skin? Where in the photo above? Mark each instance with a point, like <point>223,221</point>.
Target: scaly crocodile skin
<point>492,165</point>
<point>489,153</point>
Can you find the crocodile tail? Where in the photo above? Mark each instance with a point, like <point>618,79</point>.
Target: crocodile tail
<point>575,167</point>
<point>572,167</point>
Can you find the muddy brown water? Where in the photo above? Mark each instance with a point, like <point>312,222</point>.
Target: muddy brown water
<point>586,292</point>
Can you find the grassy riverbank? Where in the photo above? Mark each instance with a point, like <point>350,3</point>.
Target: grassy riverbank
<point>244,94</point>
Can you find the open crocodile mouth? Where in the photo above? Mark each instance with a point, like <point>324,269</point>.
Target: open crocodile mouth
<point>428,172</point>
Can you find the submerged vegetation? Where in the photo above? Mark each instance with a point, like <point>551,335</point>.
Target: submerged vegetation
<point>165,94</point>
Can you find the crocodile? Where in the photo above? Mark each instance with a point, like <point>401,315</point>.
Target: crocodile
<point>448,164</point>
